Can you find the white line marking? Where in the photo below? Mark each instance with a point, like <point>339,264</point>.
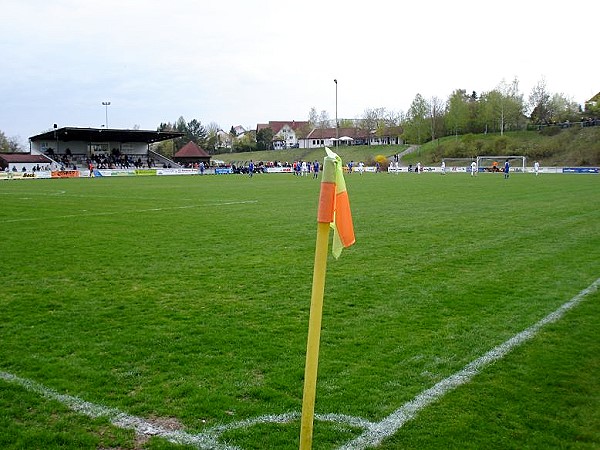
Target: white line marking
<point>118,418</point>
<point>392,423</point>
<point>374,434</point>
<point>128,211</point>
<point>34,193</point>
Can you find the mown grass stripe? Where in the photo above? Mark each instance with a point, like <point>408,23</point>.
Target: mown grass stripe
<point>119,213</point>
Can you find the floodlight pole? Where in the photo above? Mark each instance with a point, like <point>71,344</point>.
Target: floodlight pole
<point>336,116</point>
<point>106,108</point>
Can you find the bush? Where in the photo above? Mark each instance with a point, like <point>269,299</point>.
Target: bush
<point>549,131</point>
<point>383,162</point>
<point>500,144</point>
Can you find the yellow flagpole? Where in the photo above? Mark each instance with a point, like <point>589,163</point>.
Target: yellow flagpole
<point>314,336</point>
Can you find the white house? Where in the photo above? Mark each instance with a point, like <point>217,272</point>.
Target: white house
<point>330,137</point>
<point>286,134</point>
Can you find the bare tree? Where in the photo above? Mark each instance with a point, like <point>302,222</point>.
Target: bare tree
<point>323,120</point>
<point>436,116</point>
<point>369,121</point>
<point>539,103</point>
<point>313,117</point>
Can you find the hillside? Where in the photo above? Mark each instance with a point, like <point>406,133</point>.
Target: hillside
<point>348,153</point>
<point>574,146</point>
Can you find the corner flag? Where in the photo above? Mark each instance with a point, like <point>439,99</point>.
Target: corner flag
<point>334,205</point>
<point>334,212</point>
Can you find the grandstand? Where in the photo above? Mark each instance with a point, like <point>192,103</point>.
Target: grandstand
<point>69,145</point>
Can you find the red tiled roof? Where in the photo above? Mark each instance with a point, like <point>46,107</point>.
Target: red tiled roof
<point>354,133</point>
<point>277,125</point>
<point>328,133</point>
<point>191,150</point>
<point>24,158</point>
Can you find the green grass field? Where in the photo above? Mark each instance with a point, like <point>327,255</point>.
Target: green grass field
<point>185,301</point>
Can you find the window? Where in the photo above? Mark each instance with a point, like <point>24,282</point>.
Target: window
<point>98,148</point>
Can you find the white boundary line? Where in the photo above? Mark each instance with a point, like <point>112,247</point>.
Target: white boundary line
<point>116,417</point>
<point>374,434</point>
<point>392,423</point>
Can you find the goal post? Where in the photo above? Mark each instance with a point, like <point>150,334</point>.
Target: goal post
<point>496,163</point>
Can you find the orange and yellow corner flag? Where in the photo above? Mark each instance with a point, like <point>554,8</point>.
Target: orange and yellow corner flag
<point>334,212</point>
<point>334,205</point>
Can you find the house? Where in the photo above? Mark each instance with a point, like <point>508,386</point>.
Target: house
<point>286,134</point>
<point>239,130</point>
<point>224,140</point>
<point>24,162</point>
<point>190,153</point>
<point>330,137</point>
<point>593,102</point>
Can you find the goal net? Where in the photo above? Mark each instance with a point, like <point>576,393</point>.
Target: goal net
<point>496,163</point>
<point>457,164</point>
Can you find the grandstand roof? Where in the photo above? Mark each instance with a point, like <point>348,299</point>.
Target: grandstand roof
<point>105,135</point>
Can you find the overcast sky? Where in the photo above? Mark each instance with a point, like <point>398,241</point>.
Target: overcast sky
<point>243,62</point>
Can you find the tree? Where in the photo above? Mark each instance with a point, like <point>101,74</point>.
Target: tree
<point>436,115</point>
<point>313,118</point>
<point>4,144</point>
<point>264,139</point>
<point>504,106</point>
<point>539,103</point>
<point>323,120</point>
<point>303,131</point>
<point>196,132</point>
<point>211,142</point>
<point>515,111</point>
<point>457,112</point>
<point>166,126</point>
<point>392,118</point>
<point>370,121</point>
<point>416,127</point>
<point>477,123</point>
<point>562,109</point>
<point>491,110</point>
<point>9,145</point>
<point>592,107</point>
<point>246,142</point>
<point>181,125</point>
<point>232,137</point>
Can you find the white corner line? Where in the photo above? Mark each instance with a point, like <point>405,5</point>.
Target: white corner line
<point>374,435</point>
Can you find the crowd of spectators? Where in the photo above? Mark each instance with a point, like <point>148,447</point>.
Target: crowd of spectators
<point>586,122</point>
<point>116,160</point>
<point>589,122</point>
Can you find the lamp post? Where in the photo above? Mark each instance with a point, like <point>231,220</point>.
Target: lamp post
<point>106,108</point>
<point>336,118</point>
